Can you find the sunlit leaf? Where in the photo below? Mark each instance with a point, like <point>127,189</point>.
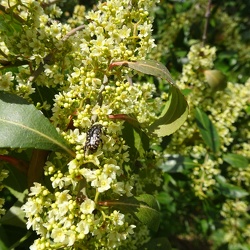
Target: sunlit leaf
<point>23,126</point>
<point>149,67</point>
<point>208,130</point>
<point>175,111</point>
<point>173,115</point>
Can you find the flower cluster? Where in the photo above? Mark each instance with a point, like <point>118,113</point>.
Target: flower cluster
<point>77,208</point>
<point>235,96</point>
<point>233,214</point>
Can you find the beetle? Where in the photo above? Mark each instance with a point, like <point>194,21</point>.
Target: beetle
<point>93,138</point>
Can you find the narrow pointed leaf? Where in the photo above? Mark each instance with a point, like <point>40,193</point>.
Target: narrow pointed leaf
<point>151,67</point>
<point>23,126</point>
<point>173,115</point>
<point>236,161</point>
<point>208,130</point>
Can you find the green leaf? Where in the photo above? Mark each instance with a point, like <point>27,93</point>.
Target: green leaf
<point>148,212</point>
<point>16,183</point>
<point>173,115</point>
<point>229,190</point>
<point>8,25</point>
<point>151,67</point>
<point>165,198</point>
<point>14,216</point>
<point>144,208</point>
<point>175,111</point>
<point>4,240</point>
<point>136,139</point>
<point>236,161</point>
<point>177,164</point>
<point>208,131</point>
<point>44,94</point>
<point>23,126</point>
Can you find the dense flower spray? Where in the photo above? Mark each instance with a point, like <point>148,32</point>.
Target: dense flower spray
<point>235,96</point>
<point>68,213</point>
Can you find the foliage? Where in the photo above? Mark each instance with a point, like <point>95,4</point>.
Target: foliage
<point>66,67</point>
<point>79,127</point>
<point>205,197</point>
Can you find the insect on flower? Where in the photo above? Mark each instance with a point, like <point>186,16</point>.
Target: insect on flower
<point>93,138</point>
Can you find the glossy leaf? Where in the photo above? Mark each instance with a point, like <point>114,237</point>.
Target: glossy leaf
<point>235,160</point>
<point>208,131</point>
<point>149,67</point>
<point>136,139</point>
<point>144,208</point>
<point>23,126</point>
<point>229,190</point>
<point>175,111</point>
<point>173,115</point>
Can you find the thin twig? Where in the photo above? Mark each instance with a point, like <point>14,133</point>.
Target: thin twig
<point>207,16</point>
<point>72,32</point>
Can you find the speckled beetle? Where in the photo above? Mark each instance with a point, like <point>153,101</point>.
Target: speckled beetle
<point>93,138</point>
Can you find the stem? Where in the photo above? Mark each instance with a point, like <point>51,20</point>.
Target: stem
<point>96,197</point>
<point>207,16</point>
<point>72,32</point>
